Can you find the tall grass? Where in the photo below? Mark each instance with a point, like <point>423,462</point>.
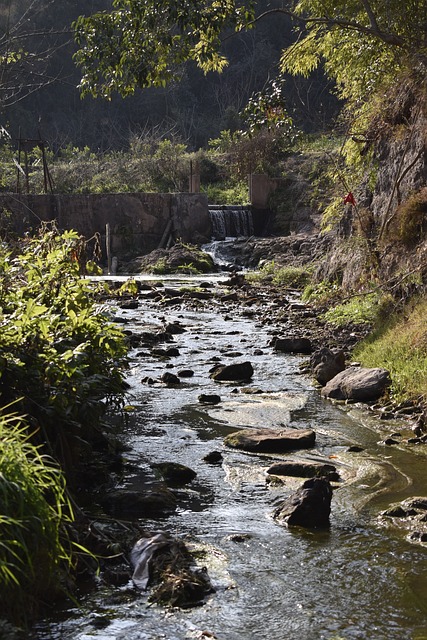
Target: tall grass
<point>33,510</point>
<point>400,345</point>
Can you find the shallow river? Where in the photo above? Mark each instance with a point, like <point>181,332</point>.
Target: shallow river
<point>360,579</point>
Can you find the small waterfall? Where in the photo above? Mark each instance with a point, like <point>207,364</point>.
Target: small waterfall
<point>231,221</point>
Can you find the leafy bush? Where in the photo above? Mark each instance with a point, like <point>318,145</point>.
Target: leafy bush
<point>60,358</point>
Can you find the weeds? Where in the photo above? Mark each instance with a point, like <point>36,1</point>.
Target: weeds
<point>288,276</point>
<point>400,345</point>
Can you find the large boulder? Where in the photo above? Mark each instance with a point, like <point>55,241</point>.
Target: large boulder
<point>309,506</point>
<point>357,383</point>
<point>326,364</point>
<point>236,372</point>
<point>293,345</point>
<point>271,441</point>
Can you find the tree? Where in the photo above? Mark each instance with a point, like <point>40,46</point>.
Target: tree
<point>140,42</point>
<point>27,45</point>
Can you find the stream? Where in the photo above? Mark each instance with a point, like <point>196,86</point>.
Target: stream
<point>361,579</point>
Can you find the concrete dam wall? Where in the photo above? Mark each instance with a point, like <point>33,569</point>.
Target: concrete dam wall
<point>139,222</point>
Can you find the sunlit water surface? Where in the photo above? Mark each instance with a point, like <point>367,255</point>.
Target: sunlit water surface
<point>358,580</point>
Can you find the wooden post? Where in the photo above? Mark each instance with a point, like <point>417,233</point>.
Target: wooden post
<point>108,246</point>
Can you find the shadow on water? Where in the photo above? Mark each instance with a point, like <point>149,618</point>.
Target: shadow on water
<point>357,580</point>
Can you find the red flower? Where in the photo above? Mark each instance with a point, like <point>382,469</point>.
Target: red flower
<point>349,199</point>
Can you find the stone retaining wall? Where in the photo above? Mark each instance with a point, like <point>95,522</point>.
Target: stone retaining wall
<point>137,220</point>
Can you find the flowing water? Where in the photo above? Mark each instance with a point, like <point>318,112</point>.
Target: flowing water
<point>231,221</point>
<point>361,579</point>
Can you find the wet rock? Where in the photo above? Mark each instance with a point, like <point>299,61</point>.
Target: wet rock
<point>238,371</point>
<point>271,441</point>
<point>170,378</point>
<point>175,473</point>
<point>292,345</point>
<point>303,469</point>
<point>389,441</point>
<point>356,383</point>
<point>239,537</point>
<point>395,512</point>
<point>174,328</point>
<point>214,457</point>
<point>309,506</point>
<point>129,304</point>
<point>186,373</point>
<point>152,502</point>
<point>172,352</point>
<point>209,398</point>
<point>167,564</point>
<point>229,297</point>
<point>326,364</point>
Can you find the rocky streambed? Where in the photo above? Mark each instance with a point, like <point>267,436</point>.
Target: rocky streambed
<point>226,435</point>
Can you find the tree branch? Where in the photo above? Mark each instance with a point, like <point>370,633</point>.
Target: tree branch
<point>350,25</point>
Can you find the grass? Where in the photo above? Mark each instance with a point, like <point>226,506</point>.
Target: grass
<point>288,276</point>
<point>359,310</point>
<point>400,346</point>
<point>34,508</point>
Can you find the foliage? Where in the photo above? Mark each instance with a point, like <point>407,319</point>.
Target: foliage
<point>227,192</point>
<point>62,360</point>
<point>34,548</point>
<point>139,44</point>
<point>287,276</point>
<point>362,309</point>
<point>152,163</point>
<point>409,220</point>
<point>400,345</point>
<point>320,293</point>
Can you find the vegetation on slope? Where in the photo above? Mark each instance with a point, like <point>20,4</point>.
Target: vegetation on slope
<point>61,367</point>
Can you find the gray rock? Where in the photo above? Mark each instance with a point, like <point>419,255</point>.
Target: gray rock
<point>309,506</point>
<point>271,441</point>
<point>170,378</point>
<point>293,345</point>
<point>175,473</point>
<point>357,383</point>
<point>209,398</point>
<point>238,371</point>
<point>326,364</point>
<point>149,503</point>
<point>186,373</point>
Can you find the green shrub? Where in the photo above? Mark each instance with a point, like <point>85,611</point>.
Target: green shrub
<point>61,358</point>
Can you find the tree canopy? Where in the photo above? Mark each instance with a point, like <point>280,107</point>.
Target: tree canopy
<point>139,43</point>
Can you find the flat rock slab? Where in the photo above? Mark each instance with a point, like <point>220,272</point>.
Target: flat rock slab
<point>357,383</point>
<point>271,441</point>
<point>303,469</point>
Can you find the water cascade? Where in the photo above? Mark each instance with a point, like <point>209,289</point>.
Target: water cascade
<point>231,221</point>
